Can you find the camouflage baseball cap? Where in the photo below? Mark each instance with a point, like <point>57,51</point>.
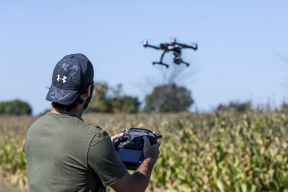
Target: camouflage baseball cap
<point>70,76</point>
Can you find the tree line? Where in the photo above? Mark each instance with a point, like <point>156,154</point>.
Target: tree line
<point>108,99</point>
<point>163,99</point>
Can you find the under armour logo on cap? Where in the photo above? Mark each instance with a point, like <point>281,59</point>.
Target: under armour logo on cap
<point>63,79</point>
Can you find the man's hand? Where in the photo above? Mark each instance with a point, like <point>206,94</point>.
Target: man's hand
<point>138,181</point>
<point>116,137</point>
<point>151,151</point>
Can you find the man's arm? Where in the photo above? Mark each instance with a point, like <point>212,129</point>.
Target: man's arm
<point>139,180</point>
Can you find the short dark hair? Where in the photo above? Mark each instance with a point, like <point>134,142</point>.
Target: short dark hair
<point>79,100</point>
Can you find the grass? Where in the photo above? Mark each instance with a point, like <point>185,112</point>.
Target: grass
<point>5,188</point>
<point>220,151</point>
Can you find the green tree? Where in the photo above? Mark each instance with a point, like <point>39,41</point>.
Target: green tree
<point>112,100</point>
<point>168,98</point>
<point>235,106</point>
<point>125,104</point>
<point>15,107</point>
<point>100,102</point>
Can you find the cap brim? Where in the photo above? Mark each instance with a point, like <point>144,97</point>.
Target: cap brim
<point>62,96</point>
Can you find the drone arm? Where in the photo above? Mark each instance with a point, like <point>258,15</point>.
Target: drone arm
<point>195,47</point>
<point>152,46</point>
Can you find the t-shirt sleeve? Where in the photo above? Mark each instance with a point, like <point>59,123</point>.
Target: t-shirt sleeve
<point>103,159</point>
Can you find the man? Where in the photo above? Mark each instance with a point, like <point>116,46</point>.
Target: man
<point>64,153</point>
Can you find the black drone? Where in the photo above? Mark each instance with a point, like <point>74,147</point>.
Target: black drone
<point>175,47</point>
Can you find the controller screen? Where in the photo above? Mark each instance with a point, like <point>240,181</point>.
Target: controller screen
<point>128,155</point>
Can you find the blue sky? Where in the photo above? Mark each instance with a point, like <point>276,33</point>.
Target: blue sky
<point>239,57</point>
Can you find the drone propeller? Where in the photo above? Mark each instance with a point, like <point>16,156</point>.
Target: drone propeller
<point>173,39</point>
<point>194,45</point>
<point>144,42</point>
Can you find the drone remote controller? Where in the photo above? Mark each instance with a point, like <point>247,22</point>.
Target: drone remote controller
<point>130,147</point>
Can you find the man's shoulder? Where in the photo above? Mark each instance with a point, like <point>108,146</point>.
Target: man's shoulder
<point>39,121</point>
<point>100,136</point>
<point>93,128</point>
<point>65,122</point>
<point>68,128</point>
<point>84,128</point>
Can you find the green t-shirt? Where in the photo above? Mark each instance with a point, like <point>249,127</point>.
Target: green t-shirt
<point>64,153</point>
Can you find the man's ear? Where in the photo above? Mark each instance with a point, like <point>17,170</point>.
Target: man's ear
<point>89,92</point>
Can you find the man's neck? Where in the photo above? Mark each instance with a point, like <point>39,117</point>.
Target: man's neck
<point>75,112</point>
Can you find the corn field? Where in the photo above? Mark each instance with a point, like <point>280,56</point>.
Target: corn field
<point>219,151</point>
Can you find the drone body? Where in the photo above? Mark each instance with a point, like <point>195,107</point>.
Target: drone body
<point>175,47</point>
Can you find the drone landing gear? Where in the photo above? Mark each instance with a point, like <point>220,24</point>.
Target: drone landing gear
<point>160,64</point>
<point>185,63</point>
